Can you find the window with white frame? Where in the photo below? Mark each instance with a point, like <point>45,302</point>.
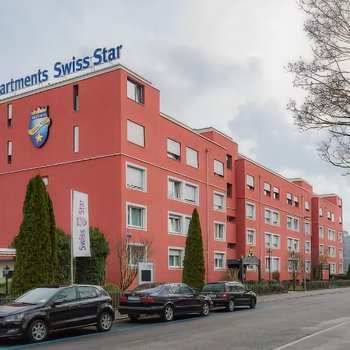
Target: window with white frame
<point>190,193</point>
<point>293,265</point>
<point>135,177</point>
<point>250,211</point>
<point>136,216</point>
<point>219,260</point>
<point>9,152</point>
<point>174,188</point>
<point>251,239</point>
<point>331,235</point>
<point>274,262</point>
<point>272,217</point>
<point>219,201</point>
<point>250,182</point>
<point>9,115</point>
<point>331,252</point>
<point>341,268</point>
<point>267,189</point>
<point>136,253</point>
<point>332,217</point>
<point>219,231</point>
<point>296,201</point>
<point>307,228</point>
<point>292,223</point>
<point>321,249</point>
<point>293,244</point>
<point>276,193</point>
<point>175,257</point>
<point>289,198</point>
<point>272,240</point>
<point>45,180</point>
<point>320,232</point>
<point>329,216</point>
<point>307,266</point>
<point>191,157</point>
<point>218,168</point>
<point>341,253</point>
<point>307,247</point>
<point>173,149</point>
<point>135,91</point>
<point>178,223</point>
<point>340,220</point>
<point>332,268</point>
<point>135,133</point>
<point>76,139</point>
<point>320,212</point>
<point>183,191</point>
<point>307,206</point>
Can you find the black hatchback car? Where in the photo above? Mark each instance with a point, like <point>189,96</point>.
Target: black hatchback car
<point>164,299</point>
<point>229,295</point>
<point>43,310</point>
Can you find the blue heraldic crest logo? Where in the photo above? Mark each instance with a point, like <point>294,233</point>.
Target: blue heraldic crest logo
<point>39,126</point>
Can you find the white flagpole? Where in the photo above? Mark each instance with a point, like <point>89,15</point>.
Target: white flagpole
<point>71,241</point>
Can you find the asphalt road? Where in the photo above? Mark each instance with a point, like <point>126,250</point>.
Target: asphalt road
<point>311,320</point>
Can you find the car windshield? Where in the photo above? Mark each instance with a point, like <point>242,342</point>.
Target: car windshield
<point>148,288</point>
<point>37,296</point>
<point>214,287</point>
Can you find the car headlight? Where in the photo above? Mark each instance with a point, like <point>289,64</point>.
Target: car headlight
<point>16,317</point>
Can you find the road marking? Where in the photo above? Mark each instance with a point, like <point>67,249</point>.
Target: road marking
<point>311,336</point>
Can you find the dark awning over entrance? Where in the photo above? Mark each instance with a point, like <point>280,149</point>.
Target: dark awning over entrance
<point>242,263</point>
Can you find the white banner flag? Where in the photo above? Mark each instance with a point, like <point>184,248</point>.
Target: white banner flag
<point>80,224</point>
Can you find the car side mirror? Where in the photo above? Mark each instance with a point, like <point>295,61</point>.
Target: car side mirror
<point>58,302</point>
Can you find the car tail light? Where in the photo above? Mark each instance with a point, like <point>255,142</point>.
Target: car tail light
<point>224,295</point>
<point>147,300</point>
<point>123,299</point>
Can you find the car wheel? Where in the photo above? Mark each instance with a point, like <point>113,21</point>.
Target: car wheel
<point>231,305</point>
<point>134,317</point>
<point>105,321</point>
<point>37,331</point>
<point>252,303</point>
<point>168,313</point>
<point>205,309</point>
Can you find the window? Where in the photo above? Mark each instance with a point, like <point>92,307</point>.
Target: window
<point>173,149</point>
<point>321,249</point>
<point>307,206</point>
<point>219,202</point>
<point>135,133</point>
<point>272,217</point>
<point>340,220</point>
<point>296,201</point>
<point>307,228</point>
<point>293,244</point>
<point>136,216</point>
<point>328,215</point>
<point>9,152</point>
<point>229,190</point>
<point>307,266</point>
<point>45,180</point>
<point>135,91</point>
<point>219,261</point>
<point>9,115</point>
<point>250,211</point>
<point>331,252</point>
<point>307,247</point>
<point>293,265</point>
<point>87,292</point>
<point>136,253</point>
<point>218,168</point>
<point>76,139</point>
<point>135,177</point>
<point>320,212</point>
<point>175,257</point>
<point>289,198</point>
<point>332,217</point>
<point>332,268</point>
<point>267,189</point>
<point>228,161</point>
<point>274,262</point>
<point>190,193</point>
<point>341,253</point>
<point>219,231</point>
<point>75,98</point>
<point>292,223</point>
<point>331,235</point>
<point>341,269</point>
<point>251,237</point>
<point>230,218</point>
<point>272,240</point>
<point>178,223</point>
<point>276,193</point>
<point>174,189</point>
<point>191,157</point>
<point>340,237</point>
<point>320,232</point>
<point>250,182</point>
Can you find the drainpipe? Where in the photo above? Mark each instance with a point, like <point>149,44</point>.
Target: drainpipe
<point>207,210</point>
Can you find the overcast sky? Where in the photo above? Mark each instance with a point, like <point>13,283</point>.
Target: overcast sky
<point>218,63</point>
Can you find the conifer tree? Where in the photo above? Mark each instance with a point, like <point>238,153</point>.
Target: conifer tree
<point>36,247</point>
<point>194,272</point>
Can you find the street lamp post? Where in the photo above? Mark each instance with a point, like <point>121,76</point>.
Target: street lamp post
<point>6,273</point>
<point>269,253</point>
<point>293,268</point>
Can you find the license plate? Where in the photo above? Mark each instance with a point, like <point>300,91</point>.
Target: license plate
<point>133,298</point>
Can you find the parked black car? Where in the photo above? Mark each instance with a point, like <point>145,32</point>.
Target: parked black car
<point>163,299</point>
<point>229,295</point>
<point>43,310</point>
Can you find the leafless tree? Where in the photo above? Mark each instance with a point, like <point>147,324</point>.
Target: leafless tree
<point>129,254</point>
<point>295,266</point>
<point>326,79</point>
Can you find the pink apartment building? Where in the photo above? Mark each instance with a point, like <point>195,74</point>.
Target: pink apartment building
<point>145,172</point>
